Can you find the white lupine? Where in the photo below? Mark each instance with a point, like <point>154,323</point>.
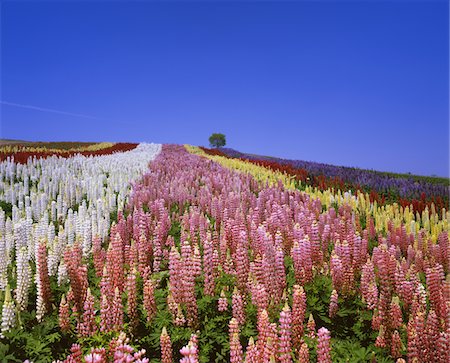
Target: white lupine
<point>3,263</point>
<point>23,278</point>
<point>40,305</point>
<point>8,313</point>
<point>98,184</point>
<point>62,274</point>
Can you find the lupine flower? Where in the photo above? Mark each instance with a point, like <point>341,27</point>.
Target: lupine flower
<point>311,326</point>
<point>8,312</point>
<point>251,353</point>
<point>23,278</point>
<point>44,294</point>
<point>396,318</point>
<point>323,346</point>
<point>166,347</point>
<point>190,351</point>
<point>236,354</point>
<point>238,307</point>
<point>64,315</point>
<point>223,302</point>
<point>303,355</point>
<point>87,325</point>
<point>132,299</point>
<point>396,345</point>
<point>298,314</point>
<point>333,304</point>
<point>117,311</point>
<point>285,335</point>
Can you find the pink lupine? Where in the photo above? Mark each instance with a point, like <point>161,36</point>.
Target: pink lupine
<point>76,354</point>
<point>44,290</point>
<point>190,351</point>
<point>442,345</point>
<point>64,315</point>
<point>236,354</point>
<point>98,255</point>
<point>298,314</point>
<point>381,341</point>
<point>264,328</point>
<point>432,330</point>
<point>87,325</point>
<point>285,335</point>
<point>166,347</point>
<point>208,267</point>
<point>435,279</point>
<point>149,299</point>
<point>106,318</point>
<point>333,308</point>
<point>251,353</point>
<point>180,320</point>
<point>117,310</point>
<point>337,271</point>
<point>94,358</point>
<point>396,345</point>
<point>323,346</point>
<point>77,275</point>
<point>413,342</point>
<point>223,302</point>
<point>238,307</point>
<point>132,299</point>
<point>311,327</point>
<point>303,355</point>
<point>396,318</point>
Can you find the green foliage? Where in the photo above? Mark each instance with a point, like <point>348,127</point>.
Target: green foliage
<point>351,351</point>
<point>39,342</point>
<point>217,140</point>
<point>7,208</point>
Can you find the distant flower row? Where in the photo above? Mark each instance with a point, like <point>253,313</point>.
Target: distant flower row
<point>417,191</point>
<point>21,153</point>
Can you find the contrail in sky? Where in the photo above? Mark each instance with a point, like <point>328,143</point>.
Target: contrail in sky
<point>30,107</point>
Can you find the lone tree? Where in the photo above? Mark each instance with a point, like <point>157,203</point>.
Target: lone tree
<point>217,140</point>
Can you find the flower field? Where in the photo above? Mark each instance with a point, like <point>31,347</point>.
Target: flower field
<point>169,253</point>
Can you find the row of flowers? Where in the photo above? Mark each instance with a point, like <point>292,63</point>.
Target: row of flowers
<point>419,192</point>
<point>21,154</point>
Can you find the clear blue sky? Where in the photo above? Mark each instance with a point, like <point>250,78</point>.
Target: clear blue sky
<point>357,83</point>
